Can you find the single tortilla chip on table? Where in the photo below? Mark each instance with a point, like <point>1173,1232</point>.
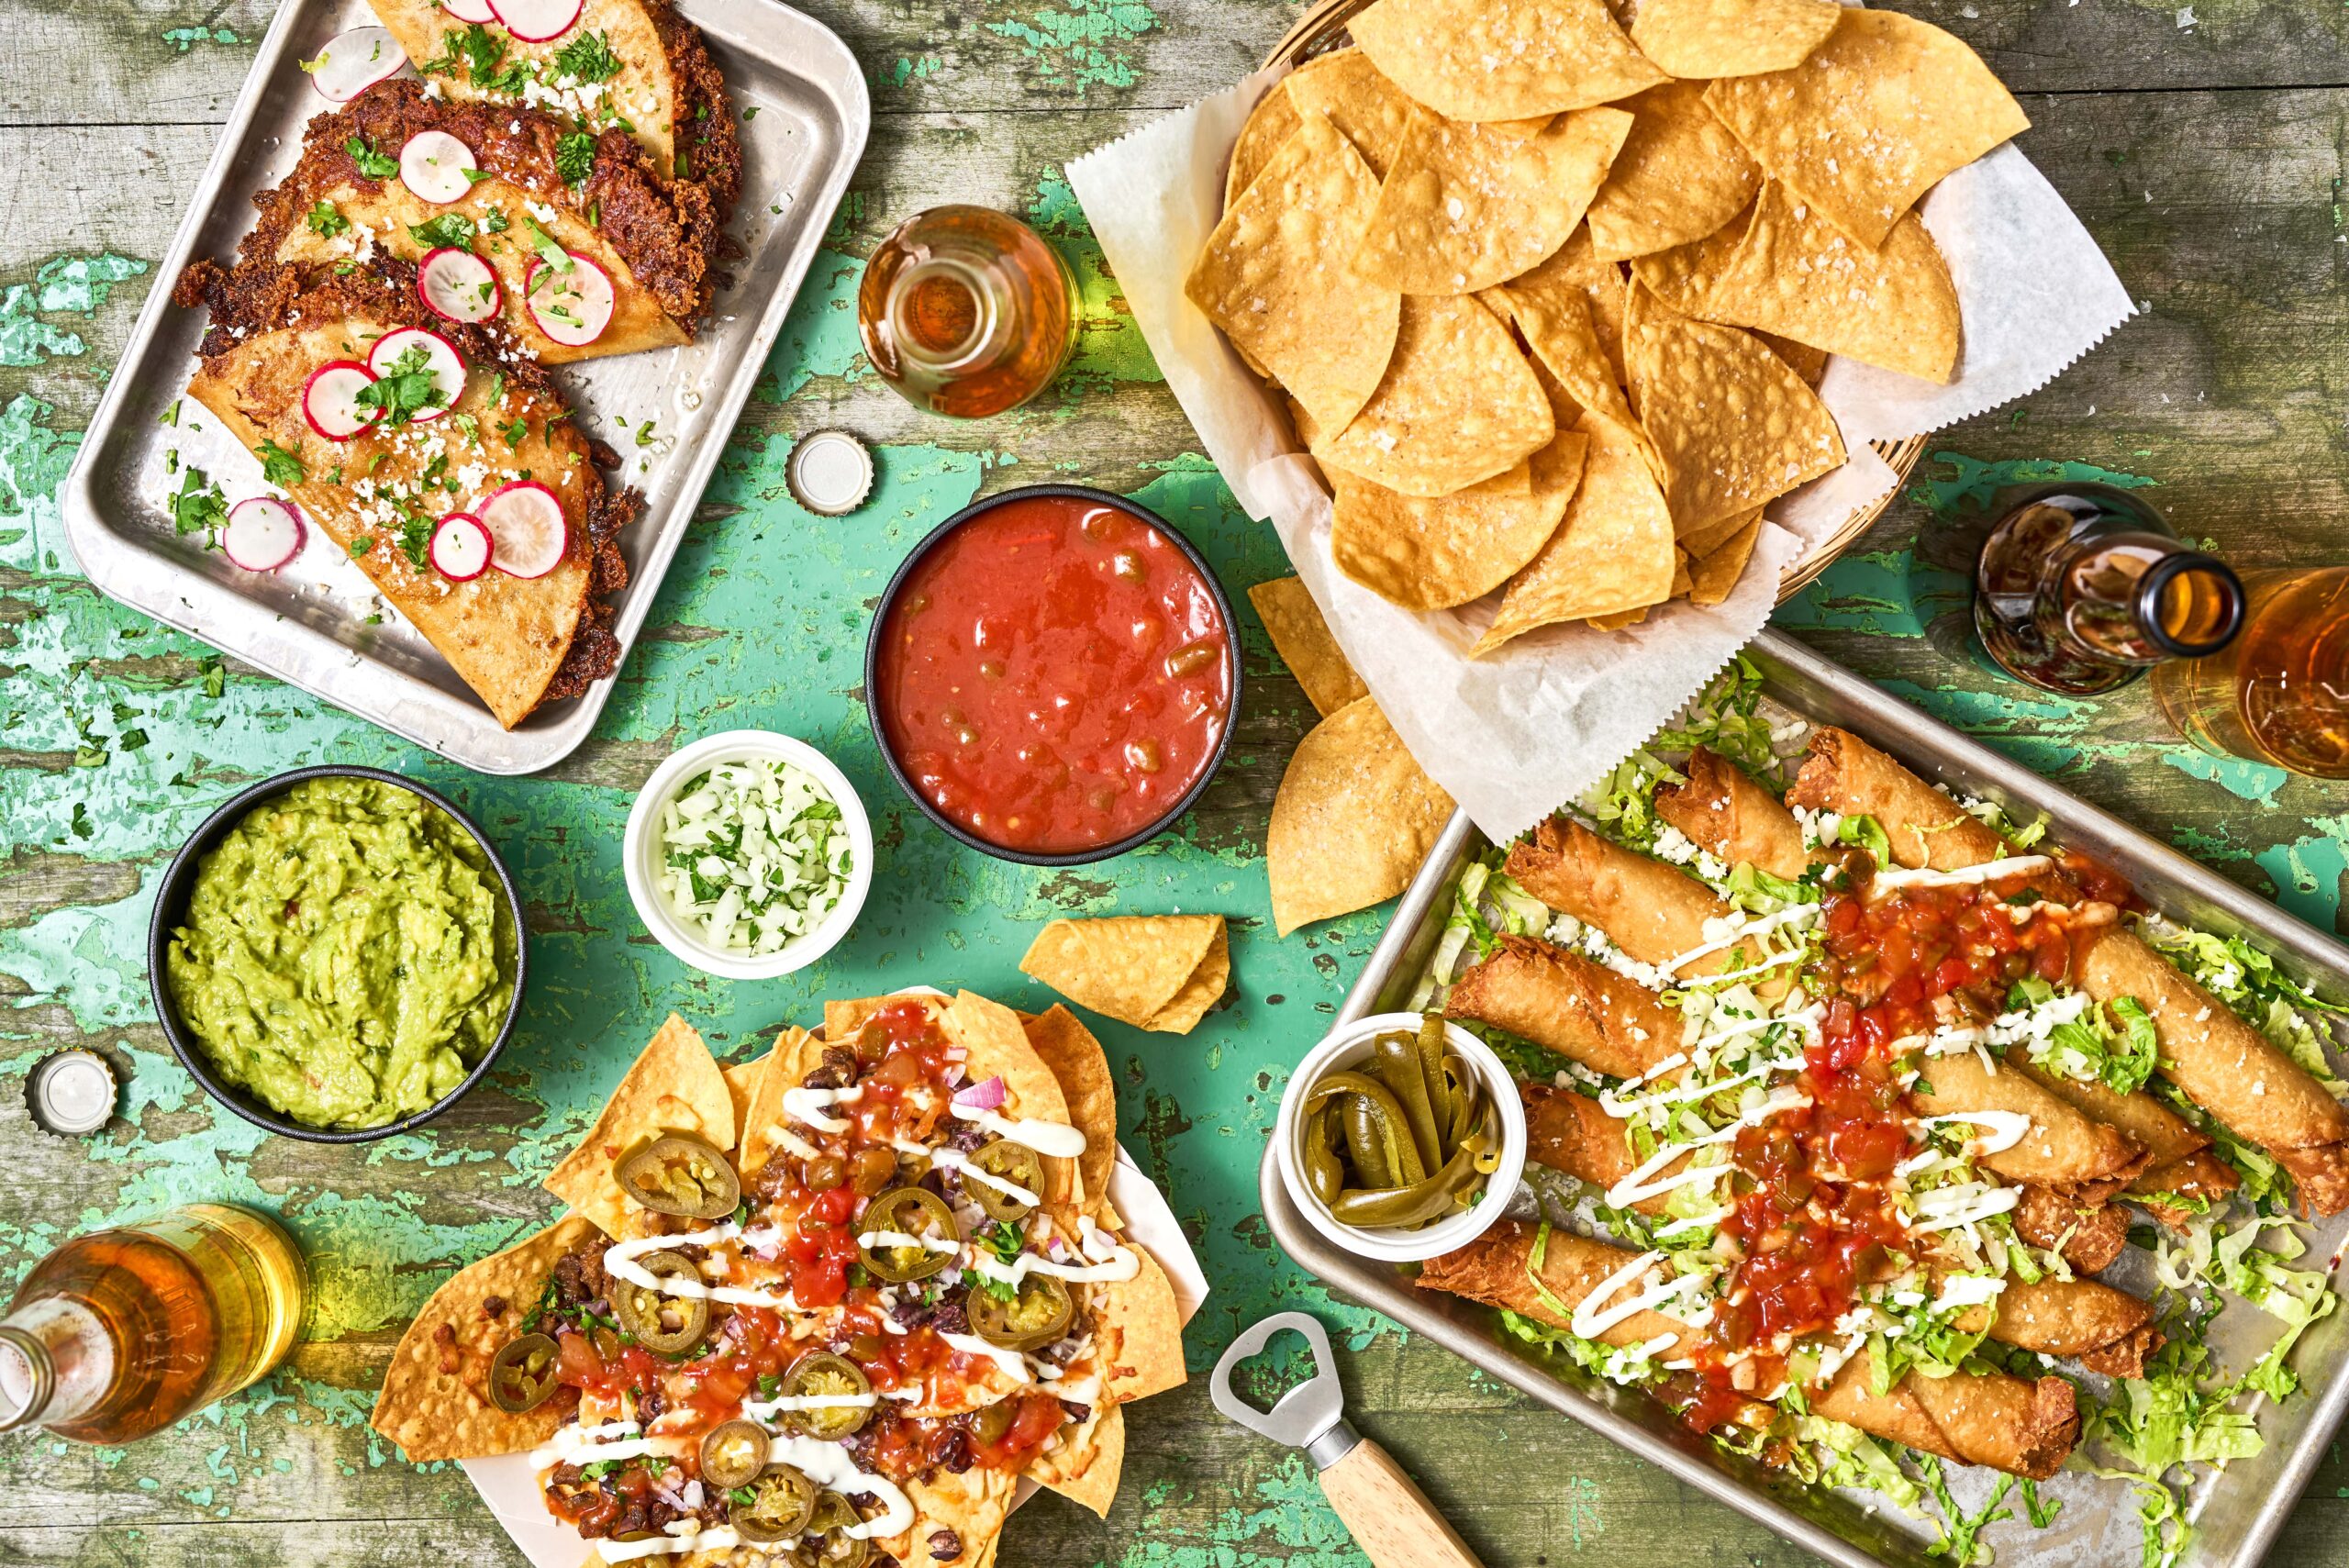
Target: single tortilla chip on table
<point>1798,276</point>
<point>1432,553</point>
<point>675,1085</point>
<point>1732,37</point>
<point>1503,59</point>
<point>1680,175</point>
<point>1268,127</point>
<point>1368,110</point>
<point>1458,405</point>
<point>435,1400</point>
<point>1613,554</point>
<point>1874,116</point>
<point>1468,205</point>
<point>1733,422</point>
<point>1160,972</point>
<point>1275,275</point>
<point>1352,819</point>
<point>1302,640</point>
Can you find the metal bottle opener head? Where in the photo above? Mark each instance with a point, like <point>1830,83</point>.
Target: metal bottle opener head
<point>1312,1414</point>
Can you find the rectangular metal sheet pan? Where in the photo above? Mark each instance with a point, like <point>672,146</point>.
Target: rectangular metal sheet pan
<point>2236,1514</point>
<point>308,624</point>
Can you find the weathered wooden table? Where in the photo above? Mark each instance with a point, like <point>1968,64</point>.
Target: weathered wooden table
<point>2205,146</point>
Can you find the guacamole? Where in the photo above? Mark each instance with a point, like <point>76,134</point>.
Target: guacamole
<point>348,954</point>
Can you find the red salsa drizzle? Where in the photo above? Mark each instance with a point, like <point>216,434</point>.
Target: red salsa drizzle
<point>1811,1217</point>
<point>906,1065</point>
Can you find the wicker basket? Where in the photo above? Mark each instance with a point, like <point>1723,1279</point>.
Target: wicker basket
<point>1321,28</point>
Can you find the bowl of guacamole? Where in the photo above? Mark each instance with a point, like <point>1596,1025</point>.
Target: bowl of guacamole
<point>336,954</point>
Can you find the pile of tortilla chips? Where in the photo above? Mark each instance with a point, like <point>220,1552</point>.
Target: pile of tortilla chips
<point>434,1402</point>
<point>1549,300</point>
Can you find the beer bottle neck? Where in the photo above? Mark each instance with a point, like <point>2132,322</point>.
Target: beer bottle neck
<point>2139,598</point>
<point>56,1362</point>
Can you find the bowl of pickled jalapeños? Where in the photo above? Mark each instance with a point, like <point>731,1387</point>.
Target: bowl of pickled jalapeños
<point>1400,1136</point>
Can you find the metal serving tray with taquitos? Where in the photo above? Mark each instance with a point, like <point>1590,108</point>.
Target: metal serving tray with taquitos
<point>2235,1512</point>
<point>803,114</point>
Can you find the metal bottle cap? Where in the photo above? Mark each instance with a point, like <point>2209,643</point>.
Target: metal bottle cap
<point>70,1092</point>
<point>830,473</point>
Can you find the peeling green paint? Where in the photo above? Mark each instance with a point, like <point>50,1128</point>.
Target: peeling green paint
<point>1110,346</point>
<point>2309,872</point>
<point>1969,482</point>
<point>1080,44</point>
<point>185,38</point>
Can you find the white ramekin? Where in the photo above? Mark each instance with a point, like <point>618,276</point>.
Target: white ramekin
<point>1348,1047</point>
<point>640,855</point>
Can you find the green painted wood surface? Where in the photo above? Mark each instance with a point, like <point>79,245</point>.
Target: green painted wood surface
<point>2207,158</point>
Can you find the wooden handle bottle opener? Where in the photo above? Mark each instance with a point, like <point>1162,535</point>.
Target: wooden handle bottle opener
<point>1391,1519</point>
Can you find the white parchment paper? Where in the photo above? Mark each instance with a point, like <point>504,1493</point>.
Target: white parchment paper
<point>1511,735</point>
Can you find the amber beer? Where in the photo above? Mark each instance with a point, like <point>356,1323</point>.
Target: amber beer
<point>967,311</point>
<point>2280,694</point>
<point>122,1332</point>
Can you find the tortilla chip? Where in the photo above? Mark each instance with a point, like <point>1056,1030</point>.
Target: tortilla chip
<point>843,1020</point>
<point>998,1047</point>
<point>1734,424</point>
<point>1612,554</point>
<point>1352,819</point>
<point>973,1505</point>
<point>796,1051</point>
<point>1703,541</point>
<point>1368,110</point>
<point>1799,277</point>
<point>1618,622</point>
<point>1269,126</point>
<point>1557,324</point>
<point>1503,59</point>
<point>1275,275</point>
<point>1685,276</point>
<point>1087,1466</point>
<point>1732,37</point>
<point>1160,972</point>
<point>1148,1358</point>
<point>1431,554</point>
<point>1679,176</point>
<point>1713,576</point>
<point>1802,359</point>
<point>1457,405</point>
<point>1866,125</point>
<point>434,1413</point>
<point>1467,206</point>
<point>673,1086</point>
<point>1302,640</point>
<point>1081,1067</point>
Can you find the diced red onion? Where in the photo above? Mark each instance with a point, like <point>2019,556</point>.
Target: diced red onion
<point>986,1096</point>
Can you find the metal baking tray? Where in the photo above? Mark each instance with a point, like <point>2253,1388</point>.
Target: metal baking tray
<point>309,623</point>
<point>2236,1513</point>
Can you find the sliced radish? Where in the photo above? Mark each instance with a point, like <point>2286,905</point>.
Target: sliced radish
<point>461,547</point>
<point>433,165</point>
<point>446,365</point>
<point>535,21</point>
<point>469,10</point>
<point>262,535</point>
<point>526,529</point>
<point>330,399</point>
<point>570,307</point>
<point>456,284</point>
<point>353,61</point>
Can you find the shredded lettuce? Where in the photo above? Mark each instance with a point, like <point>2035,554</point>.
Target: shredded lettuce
<point>2114,1045</point>
<point>2263,995</point>
<point>1961,1532</point>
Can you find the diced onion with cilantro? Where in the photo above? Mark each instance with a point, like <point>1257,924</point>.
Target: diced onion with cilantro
<point>753,854</point>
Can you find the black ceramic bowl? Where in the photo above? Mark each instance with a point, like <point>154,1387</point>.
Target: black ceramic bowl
<point>880,725</point>
<point>171,909</point>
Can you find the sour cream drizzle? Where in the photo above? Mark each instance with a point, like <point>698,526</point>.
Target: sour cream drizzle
<point>1051,1139</point>
<point>810,1105</point>
<point>1926,876</point>
<point>1594,1316</point>
<point>620,1258</point>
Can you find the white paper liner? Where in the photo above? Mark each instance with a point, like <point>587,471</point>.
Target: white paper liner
<point>510,1487</point>
<point>1512,735</point>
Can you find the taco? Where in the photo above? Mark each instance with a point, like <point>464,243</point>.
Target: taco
<point>827,1304</point>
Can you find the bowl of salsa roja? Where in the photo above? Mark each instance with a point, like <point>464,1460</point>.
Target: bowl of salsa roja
<point>1052,674</point>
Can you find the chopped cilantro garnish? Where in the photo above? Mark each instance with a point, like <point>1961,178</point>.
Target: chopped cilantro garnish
<point>574,156</point>
<point>199,508</point>
<point>361,545</point>
<point>587,58</point>
<point>517,432</point>
<point>644,435</point>
<point>416,535</point>
<point>279,466</point>
<point>449,231</point>
<point>371,162</point>
<point>324,221</point>
<point>483,54</point>
<point>406,388</point>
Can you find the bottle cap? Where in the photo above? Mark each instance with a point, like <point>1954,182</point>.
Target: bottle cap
<point>830,473</point>
<point>70,1092</point>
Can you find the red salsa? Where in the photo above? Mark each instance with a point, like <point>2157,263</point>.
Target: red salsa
<point>1054,674</point>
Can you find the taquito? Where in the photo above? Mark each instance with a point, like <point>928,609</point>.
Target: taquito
<point>1540,992</point>
<point>1726,814</point>
<point>2178,1156</point>
<point>2024,1428</point>
<point>1925,828</point>
<point>1653,912</point>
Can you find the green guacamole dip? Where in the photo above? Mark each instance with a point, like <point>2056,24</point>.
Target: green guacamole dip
<point>347,955</point>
